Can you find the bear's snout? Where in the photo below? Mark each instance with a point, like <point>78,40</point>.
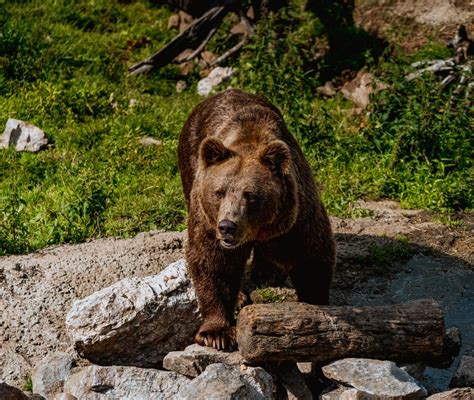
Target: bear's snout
<point>227,227</point>
<point>227,230</point>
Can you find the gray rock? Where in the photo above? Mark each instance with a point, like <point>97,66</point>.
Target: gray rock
<point>64,396</point>
<point>136,321</point>
<point>49,375</point>
<point>195,359</point>
<point>149,141</point>
<point>220,381</point>
<point>215,77</point>
<point>344,393</point>
<point>381,378</point>
<point>23,136</point>
<point>125,383</point>
<point>8,392</point>
<point>464,375</point>
<point>456,394</point>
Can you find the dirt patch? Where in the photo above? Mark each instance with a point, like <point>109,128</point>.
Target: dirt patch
<point>411,24</point>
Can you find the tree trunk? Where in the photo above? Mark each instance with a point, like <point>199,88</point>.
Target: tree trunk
<point>297,332</point>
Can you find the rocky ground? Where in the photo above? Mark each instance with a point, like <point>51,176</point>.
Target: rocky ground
<point>391,256</point>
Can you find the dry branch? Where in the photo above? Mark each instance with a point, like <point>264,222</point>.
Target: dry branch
<point>297,332</point>
<point>194,35</point>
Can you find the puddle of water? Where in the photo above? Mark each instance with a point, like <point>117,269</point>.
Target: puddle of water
<point>452,285</point>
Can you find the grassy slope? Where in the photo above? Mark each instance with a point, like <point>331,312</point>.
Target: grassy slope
<point>63,68</point>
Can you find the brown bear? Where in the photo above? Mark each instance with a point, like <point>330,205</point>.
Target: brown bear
<point>248,188</point>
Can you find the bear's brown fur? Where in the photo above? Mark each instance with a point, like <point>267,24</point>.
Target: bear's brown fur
<point>248,187</point>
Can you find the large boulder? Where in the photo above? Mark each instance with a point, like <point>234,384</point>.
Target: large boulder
<point>374,377</point>
<point>8,392</point>
<point>136,321</point>
<point>118,382</point>
<point>455,394</point>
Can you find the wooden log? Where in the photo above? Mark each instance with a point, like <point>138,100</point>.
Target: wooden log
<point>298,332</point>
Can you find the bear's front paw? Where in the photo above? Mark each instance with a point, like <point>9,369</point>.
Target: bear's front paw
<point>220,338</point>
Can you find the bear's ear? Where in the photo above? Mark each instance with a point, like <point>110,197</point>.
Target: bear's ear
<point>276,156</point>
<point>212,151</point>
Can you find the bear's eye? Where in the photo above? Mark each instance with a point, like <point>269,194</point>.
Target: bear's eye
<point>219,194</point>
<point>250,197</point>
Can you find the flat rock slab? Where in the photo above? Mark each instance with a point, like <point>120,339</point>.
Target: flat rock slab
<point>49,375</point>
<point>136,321</point>
<point>125,383</point>
<point>194,359</point>
<point>381,378</point>
<point>220,381</point>
<point>23,136</point>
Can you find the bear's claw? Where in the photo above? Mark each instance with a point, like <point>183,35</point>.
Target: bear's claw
<point>221,339</point>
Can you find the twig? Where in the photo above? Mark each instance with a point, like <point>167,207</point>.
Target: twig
<point>229,52</point>
<point>200,48</point>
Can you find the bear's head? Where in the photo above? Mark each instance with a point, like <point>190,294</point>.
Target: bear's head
<point>247,194</point>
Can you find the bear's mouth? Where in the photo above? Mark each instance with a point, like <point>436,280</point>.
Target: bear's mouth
<point>229,242</point>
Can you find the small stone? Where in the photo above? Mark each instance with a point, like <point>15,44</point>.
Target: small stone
<point>220,381</point>
<point>134,321</point>
<point>149,141</point>
<point>183,55</point>
<point>195,359</point>
<point>132,103</point>
<point>173,21</point>
<point>119,382</point>
<point>215,77</point>
<point>8,392</point>
<point>456,394</point>
<point>181,86</point>
<point>185,68</point>
<point>464,375</point>
<point>327,90</point>
<point>184,20</point>
<point>208,56</point>
<point>375,377</point>
<point>360,88</point>
<point>23,136</point>
<point>49,375</point>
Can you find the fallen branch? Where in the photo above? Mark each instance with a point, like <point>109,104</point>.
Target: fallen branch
<point>229,52</point>
<point>195,34</point>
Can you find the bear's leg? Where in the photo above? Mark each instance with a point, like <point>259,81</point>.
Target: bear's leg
<point>216,275</point>
<point>311,278</point>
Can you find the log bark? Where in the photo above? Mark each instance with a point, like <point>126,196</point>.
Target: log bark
<point>300,332</point>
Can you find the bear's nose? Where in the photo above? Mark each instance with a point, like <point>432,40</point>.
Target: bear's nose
<point>227,227</point>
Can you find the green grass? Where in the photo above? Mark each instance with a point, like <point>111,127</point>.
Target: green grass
<point>63,68</point>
